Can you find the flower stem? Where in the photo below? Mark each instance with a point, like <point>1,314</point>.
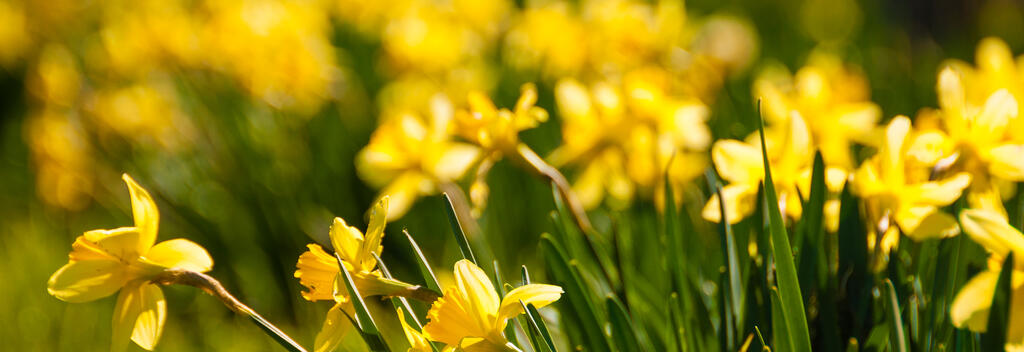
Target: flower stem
<point>551,173</point>
<point>213,287</point>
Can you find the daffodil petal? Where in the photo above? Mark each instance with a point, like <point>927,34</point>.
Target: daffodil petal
<point>152,314</point>
<point>971,305</point>
<point>951,94</point>
<point>737,161</point>
<point>147,218</point>
<point>925,222</point>
<point>943,192</point>
<point>999,108</point>
<point>336,327</point>
<point>346,240</point>
<point>374,234</point>
<point>182,254</point>
<point>126,313</point>
<point>537,294</point>
<point>990,230</point>
<point>740,202</point>
<point>1005,162</point>
<point>451,320</point>
<point>454,160</point>
<point>404,191</point>
<point>417,342</point>
<point>476,288</point>
<point>122,242</point>
<point>87,280</point>
<point>316,270</point>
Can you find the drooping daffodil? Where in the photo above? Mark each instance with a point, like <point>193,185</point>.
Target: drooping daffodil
<point>971,306</point>
<point>128,259</point>
<point>897,189</point>
<point>471,316</point>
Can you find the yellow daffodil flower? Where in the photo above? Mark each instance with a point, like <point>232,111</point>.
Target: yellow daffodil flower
<point>603,124</point>
<point>975,139</point>
<point>472,317</point>
<point>896,188</point>
<point>791,156</point>
<point>409,158</point>
<point>996,69</point>
<point>417,342</point>
<point>971,306</point>
<point>126,259</point>
<point>319,272</point>
<point>833,98</point>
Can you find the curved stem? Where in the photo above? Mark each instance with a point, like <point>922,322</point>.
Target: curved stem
<point>551,173</point>
<point>213,287</point>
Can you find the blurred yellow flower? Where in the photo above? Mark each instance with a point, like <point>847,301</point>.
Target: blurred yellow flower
<point>974,139</point>
<point>832,97</point>
<point>604,124</point>
<point>319,272</point>
<point>996,69</point>
<point>970,308</point>
<point>105,261</point>
<point>494,130</point>
<point>791,155</point>
<point>409,158</point>
<point>471,316</point>
<point>895,188</point>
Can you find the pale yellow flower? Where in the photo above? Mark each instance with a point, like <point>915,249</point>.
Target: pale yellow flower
<point>128,259</point>
<point>832,97</point>
<point>603,124</point>
<point>895,188</point>
<point>409,158</point>
<point>472,317</point>
<point>970,308</point>
<point>974,139</point>
<point>791,155</point>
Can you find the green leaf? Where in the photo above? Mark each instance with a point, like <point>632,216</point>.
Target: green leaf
<point>538,325</point>
<point>510,330</point>
<point>576,293</point>
<point>623,332</point>
<point>460,235</point>
<point>401,302</point>
<point>425,268</point>
<point>994,337</point>
<point>783,339</point>
<point>364,321</point>
<point>733,287</point>
<point>896,335</point>
<point>789,286</point>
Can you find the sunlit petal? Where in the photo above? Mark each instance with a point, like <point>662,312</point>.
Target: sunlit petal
<point>537,294</point>
<point>88,280</point>
<point>147,218</point>
<point>182,254</point>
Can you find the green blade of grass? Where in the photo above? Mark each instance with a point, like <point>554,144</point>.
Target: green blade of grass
<point>789,286</point>
<point>576,293</point>
<point>623,333</point>
<point>421,261</point>
<point>460,235</point>
<point>994,337</point>
<point>783,339</point>
<point>538,325</point>
<point>677,263</point>
<point>896,334</point>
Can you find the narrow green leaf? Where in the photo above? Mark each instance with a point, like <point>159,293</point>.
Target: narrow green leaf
<point>789,286</point>
<point>675,311</point>
<point>760,338</point>
<point>897,336</point>
<point>783,339</point>
<point>576,293</point>
<point>421,261</point>
<point>994,337</point>
<point>460,235</point>
<point>734,286</point>
<point>677,262</point>
<point>623,332</point>
<point>538,325</point>
<point>364,321</point>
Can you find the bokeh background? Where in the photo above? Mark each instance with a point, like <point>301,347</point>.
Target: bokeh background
<point>244,118</point>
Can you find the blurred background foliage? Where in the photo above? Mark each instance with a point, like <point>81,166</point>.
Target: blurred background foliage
<point>244,119</point>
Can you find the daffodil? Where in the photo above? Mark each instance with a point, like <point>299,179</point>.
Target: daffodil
<point>408,157</point>
<point>622,139</point>
<point>974,139</point>
<point>833,98</point>
<point>996,69</point>
<point>472,317</point>
<point>898,189</point>
<point>319,272</point>
<point>791,156</point>
<point>496,132</point>
<point>971,306</point>
<point>417,342</point>
<point>105,261</point>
